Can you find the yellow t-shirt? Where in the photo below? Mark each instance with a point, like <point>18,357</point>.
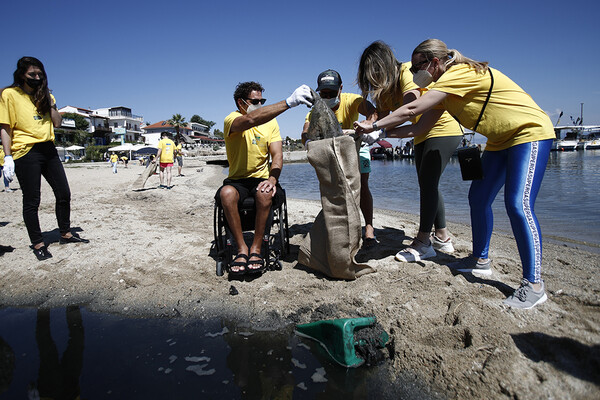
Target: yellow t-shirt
<point>114,158</point>
<point>445,125</point>
<point>178,151</point>
<point>1,156</point>
<point>347,112</point>
<point>511,117</point>
<point>28,127</point>
<point>248,152</point>
<point>168,148</point>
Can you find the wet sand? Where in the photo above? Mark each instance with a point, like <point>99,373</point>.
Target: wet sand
<point>151,254</point>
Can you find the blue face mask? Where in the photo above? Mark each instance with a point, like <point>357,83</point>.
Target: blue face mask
<point>331,103</point>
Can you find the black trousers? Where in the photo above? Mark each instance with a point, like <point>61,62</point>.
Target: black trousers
<point>42,160</point>
<point>431,157</point>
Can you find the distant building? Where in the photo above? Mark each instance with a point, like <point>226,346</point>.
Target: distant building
<point>98,126</point>
<point>106,124</point>
<point>192,134</point>
<point>121,118</point>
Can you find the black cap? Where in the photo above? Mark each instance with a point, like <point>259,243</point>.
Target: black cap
<point>329,79</point>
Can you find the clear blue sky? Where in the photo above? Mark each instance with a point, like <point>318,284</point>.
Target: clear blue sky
<point>162,58</point>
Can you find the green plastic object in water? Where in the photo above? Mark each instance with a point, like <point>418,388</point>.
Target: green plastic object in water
<point>337,337</point>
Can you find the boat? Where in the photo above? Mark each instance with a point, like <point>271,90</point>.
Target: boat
<point>591,137</point>
<point>567,138</point>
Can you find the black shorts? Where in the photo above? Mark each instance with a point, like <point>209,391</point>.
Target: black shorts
<point>247,187</point>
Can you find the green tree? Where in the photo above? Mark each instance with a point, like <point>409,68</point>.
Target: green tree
<point>80,122</point>
<point>177,122</point>
<point>218,133</point>
<point>199,120</point>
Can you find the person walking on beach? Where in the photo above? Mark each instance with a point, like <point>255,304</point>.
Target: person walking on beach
<point>7,188</point>
<point>516,153</point>
<point>179,157</point>
<point>252,137</point>
<point>347,107</point>
<point>390,84</point>
<point>165,154</point>
<point>28,116</point>
<point>114,160</point>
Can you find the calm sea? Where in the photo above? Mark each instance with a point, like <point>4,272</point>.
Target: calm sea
<point>567,207</point>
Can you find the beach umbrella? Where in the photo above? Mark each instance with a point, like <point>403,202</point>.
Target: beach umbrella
<point>384,143</point>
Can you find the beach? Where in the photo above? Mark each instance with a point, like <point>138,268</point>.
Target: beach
<point>151,255</point>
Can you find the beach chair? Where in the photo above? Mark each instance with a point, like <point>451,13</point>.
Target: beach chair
<point>276,239</point>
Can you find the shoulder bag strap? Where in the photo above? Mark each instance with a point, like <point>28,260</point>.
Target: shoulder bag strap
<point>486,100</point>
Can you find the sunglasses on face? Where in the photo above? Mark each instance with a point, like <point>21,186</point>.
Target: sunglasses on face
<point>416,67</point>
<point>329,94</point>
<point>256,101</point>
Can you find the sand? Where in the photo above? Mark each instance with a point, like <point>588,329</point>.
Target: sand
<point>151,255</point>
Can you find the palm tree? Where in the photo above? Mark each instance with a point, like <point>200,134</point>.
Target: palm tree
<point>177,122</point>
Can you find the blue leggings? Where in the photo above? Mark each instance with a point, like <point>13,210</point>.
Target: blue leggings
<point>520,169</point>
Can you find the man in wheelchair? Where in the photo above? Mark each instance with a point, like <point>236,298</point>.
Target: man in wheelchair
<point>252,138</point>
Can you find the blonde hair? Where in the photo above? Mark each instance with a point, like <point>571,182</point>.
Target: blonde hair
<point>436,48</point>
<point>378,74</point>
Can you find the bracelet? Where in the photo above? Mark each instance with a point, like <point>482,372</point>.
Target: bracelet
<point>374,125</point>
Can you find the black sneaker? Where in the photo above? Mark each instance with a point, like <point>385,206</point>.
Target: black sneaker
<point>42,253</point>
<point>73,239</point>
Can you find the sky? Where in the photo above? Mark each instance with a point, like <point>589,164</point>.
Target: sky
<point>160,58</point>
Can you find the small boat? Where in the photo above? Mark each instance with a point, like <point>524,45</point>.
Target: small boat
<point>567,138</point>
<point>591,137</point>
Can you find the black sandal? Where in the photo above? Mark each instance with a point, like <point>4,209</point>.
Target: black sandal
<point>259,262</point>
<point>241,265</point>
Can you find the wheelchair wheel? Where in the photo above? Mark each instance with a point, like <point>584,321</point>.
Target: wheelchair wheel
<point>220,268</point>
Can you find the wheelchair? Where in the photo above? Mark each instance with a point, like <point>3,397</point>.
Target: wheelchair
<point>276,239</point>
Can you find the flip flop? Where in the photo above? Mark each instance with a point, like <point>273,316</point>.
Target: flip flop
<point>259,262</point>
<point>239,265</point>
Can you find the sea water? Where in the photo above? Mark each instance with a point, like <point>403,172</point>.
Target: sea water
<point>567,206</point>
<point>65,353</point>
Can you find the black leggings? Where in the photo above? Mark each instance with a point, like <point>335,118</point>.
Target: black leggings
<point>431,157</point>
<point>42,160</point>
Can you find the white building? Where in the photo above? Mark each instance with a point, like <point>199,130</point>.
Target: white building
<point>121,118</point>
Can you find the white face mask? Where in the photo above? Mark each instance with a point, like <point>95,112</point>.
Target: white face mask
<point>423,78</point>
<point>252,107</point>
<point>331,103</point>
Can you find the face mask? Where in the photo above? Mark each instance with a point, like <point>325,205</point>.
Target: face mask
<point>422,78</point>
<point>331,103</point>
<point>33,83</point>
<point>253,107</point>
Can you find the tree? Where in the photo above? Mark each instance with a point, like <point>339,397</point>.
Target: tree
<point>80,122</point>
<point>218,133</point>
<point>199,120</point>
<point>177,122</point>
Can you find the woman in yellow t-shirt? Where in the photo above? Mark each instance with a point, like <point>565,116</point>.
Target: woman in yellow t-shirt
<point>519,139</point>
<point>390,84</point>
<point>28,116</point>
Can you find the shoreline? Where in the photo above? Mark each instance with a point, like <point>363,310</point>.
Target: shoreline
<point>150,254</point>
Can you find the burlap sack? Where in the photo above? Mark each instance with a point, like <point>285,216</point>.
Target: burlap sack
<point>334,239</point>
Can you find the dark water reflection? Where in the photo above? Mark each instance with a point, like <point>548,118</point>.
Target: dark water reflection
<point>72,353</point>
<point>567,205</point>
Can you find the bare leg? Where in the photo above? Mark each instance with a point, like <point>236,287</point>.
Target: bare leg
<point>366,205</point>
<point>229,200</point>
<point>263,201</point>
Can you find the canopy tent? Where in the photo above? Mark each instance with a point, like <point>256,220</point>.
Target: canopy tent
<point>138,149</point>
<point>75,147</point>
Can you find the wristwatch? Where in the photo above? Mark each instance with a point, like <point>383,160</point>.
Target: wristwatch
<point>375,126</point>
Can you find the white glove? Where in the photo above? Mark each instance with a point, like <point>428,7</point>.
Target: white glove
<point>301,95</point>
<point>9,168</point>
<point>370,138</point>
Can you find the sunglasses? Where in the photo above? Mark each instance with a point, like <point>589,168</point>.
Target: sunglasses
<point>329,94</point>
<point>416,67</point>
<point>256,101</point>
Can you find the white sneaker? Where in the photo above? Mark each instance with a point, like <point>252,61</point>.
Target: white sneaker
<point>412,254</point>
<point>472,265</point>
<point>442,245</point>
